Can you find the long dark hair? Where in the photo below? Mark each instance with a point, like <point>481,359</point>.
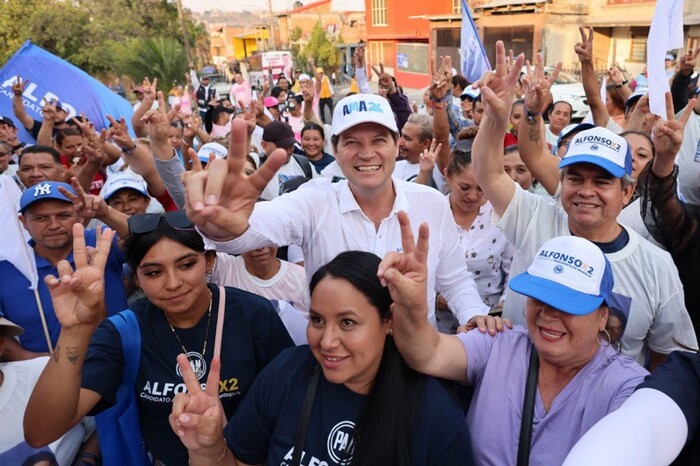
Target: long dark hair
<point>385,428</point>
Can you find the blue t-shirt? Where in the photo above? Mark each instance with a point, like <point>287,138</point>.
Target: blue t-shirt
<point>253,335</point>
<point>322,163</point>
<point>264,428</point>
<point>679,378</point>
<point>18,303</point>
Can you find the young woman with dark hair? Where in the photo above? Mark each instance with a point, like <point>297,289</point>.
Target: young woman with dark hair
<point>369,408</point>
<point>178,315</point>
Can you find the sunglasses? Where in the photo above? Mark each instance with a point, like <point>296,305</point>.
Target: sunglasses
<point>146,223</point>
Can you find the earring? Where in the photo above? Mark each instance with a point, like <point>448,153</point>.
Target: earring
<point>209,272</point>
<point>390,332</point>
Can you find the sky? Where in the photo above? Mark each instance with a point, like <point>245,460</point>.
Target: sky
<point>237,5</point>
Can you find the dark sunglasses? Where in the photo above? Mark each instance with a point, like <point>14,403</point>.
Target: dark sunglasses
<point>146,223</point>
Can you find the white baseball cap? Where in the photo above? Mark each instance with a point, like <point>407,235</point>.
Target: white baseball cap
<point>219,151</point>
<point>600,147</point>
<point>470,92</point>
<point>8,328</point>
<point>570,274</point>
<point>304,77</point>
<point>124,180</point>
<point>363,108</point>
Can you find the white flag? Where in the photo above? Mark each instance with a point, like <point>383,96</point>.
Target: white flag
<point>665,33</point>
<point>15,248</point>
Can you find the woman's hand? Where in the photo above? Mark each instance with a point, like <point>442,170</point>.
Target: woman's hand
<point>406,273</point>
<point>537,86</point>
<point>490,324</point>
<point>221,199</point>
<point>668,137</point>
<point>119,133</point>
<point>78,295</point>
<point>197,416</point>
<point>85,204</point>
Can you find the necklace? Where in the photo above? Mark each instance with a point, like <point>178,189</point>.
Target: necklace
<point>206,334</point>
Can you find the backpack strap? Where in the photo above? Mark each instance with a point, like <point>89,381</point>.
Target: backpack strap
<point>128,327</point>
<point>304,164</point>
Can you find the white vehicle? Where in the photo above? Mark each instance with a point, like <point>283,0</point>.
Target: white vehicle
<point>568,89</point>
<point>220,83</point>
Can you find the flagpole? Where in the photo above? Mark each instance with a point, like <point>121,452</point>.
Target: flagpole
<point>34,280</point>
<point>43,320</point>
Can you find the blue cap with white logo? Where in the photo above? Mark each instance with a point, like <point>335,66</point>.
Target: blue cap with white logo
<point>570,274</point>
<point>601,147</point>
<point>363,108</point>
<point>43,191</point>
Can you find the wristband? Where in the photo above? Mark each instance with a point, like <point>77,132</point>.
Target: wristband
<point>129,151</point>
<point>530,116</point>
<point>437,101</point>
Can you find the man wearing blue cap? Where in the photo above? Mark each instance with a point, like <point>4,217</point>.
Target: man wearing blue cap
<point>596,184</point>
<point>48,216</point>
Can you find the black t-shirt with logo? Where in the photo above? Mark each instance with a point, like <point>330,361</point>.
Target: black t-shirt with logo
<point>264,428</point>
<point>253,335</point>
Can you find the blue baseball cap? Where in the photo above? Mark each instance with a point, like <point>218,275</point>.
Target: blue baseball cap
<point>570,274</point>
<point>601,147</point>
<point>42,192</point>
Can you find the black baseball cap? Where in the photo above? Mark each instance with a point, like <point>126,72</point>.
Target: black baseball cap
<point>279,133</point>
<point>7,121</point>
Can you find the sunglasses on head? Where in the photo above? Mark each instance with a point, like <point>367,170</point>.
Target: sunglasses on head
<point>146,223</point>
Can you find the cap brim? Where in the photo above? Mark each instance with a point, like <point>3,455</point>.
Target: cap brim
<point>107,196</point>
<point>556,295</point>
<point>10,329</point>
<point>286,143</point>
<point>612,168</point>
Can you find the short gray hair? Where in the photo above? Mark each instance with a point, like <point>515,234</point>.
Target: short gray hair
<point>625,181</point>
<point>424,122</point>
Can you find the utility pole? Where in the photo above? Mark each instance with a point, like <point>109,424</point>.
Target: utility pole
<point>272,31</point>
<point>184,32</point>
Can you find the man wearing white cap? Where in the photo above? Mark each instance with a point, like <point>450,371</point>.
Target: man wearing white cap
<point>324,218</point>
<point>595,186</point>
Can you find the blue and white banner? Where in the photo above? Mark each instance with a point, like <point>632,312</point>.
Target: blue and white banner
<point>474,61</point>
<point>52,78</point>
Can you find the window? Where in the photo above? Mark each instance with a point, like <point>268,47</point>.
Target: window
<point>638,49</point>
<point>456,7</point>
<point>379,13</point>
<point>380,52</point>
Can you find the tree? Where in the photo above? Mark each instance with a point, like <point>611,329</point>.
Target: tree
<point>162,58</point>
<point>321,49</point>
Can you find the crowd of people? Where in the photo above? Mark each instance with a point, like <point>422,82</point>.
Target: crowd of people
<point>276,277</point>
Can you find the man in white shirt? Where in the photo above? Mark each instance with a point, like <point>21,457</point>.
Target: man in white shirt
<point>595,184</point>
<point>324,218</point>
<point>416,136</point>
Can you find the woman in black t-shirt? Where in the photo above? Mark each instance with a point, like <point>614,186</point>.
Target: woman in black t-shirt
<point>178,315</point>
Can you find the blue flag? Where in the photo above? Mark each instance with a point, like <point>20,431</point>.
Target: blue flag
<point>52,78</point>
<point>473,56</point>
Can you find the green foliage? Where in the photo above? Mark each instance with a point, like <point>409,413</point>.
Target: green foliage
<point>321,49</point>
<point>103,36</point>
<point>162,58</point>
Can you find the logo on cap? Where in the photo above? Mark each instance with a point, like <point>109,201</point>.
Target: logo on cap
<point>42,190</point>
<point>568,260</point>
<point>558,269</point>
<point>594,138</point>
<point>594,147</point>
<point>362,106</point>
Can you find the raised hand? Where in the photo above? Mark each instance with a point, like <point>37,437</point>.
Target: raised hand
<point>197,416</point>
<point>78,295</point>
<point>359,55</point>
<point>221,199</point>
<point>615,76</point>
<point>157,125</point>
<point>688,61</point>
<point>19,86</point>
<point>149,91</point>
<point>385,81</point>
<point>584,49</point>
<point>429,156</point>
<point>668,134</point>
<point>497,87</point>
<point>85,204</point>
<point>440,83</point>
<point>119,133</point>
<point>537,86</point>
<point>48,111</point>
<point>406,273</point>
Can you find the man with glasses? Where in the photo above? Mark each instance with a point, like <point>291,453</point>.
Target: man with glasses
<point>48,215</point>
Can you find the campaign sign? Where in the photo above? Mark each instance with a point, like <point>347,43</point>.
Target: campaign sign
<point>52,78</point>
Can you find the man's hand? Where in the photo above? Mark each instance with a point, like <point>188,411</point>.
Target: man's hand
<point>385,81</point>
<point>584,49</point>
<point>440,82</point>
<point>119,133</point>
<point>86,205</point>
<point>429,156</point>
<point>688,61</point>
<point>221,199</point>
<point>78,295</point>
<point>48,111</point>
<point>359,55</point>
<point>615,76</point>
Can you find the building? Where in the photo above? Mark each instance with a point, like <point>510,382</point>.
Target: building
<point>231,43</point>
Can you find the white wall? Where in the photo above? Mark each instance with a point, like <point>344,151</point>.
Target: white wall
<point>346,5</point>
